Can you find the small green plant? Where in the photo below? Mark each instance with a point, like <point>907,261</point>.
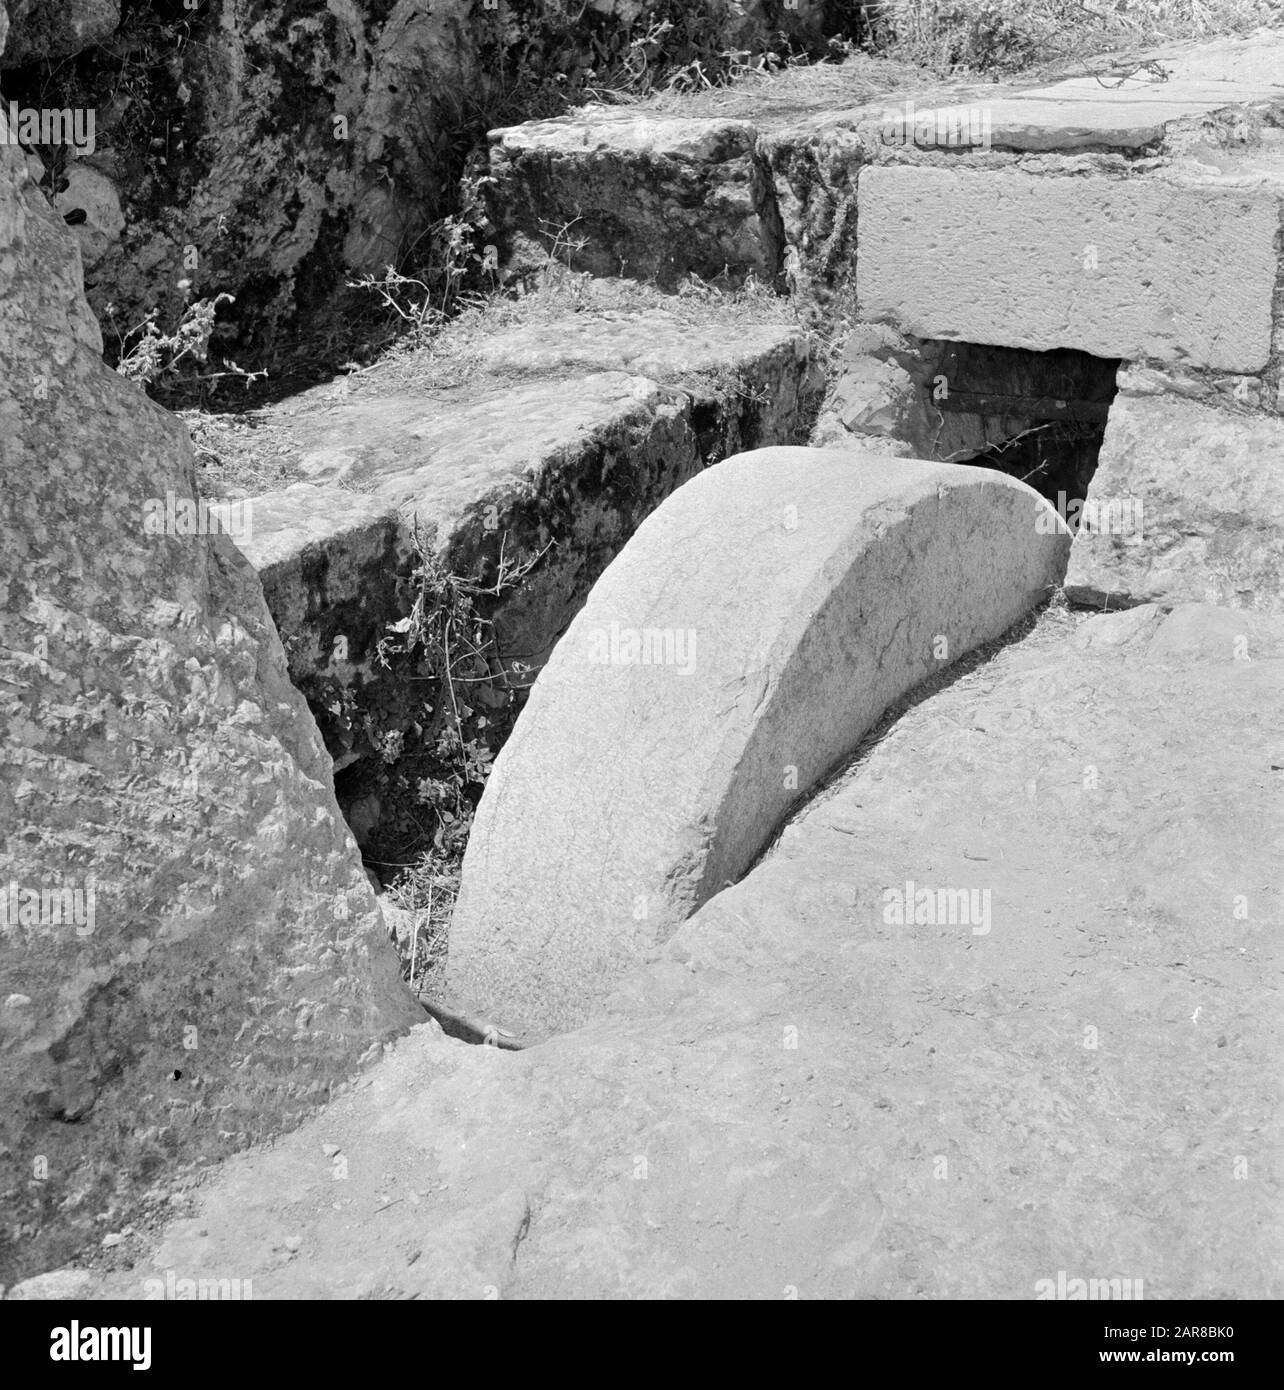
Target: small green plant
<point>425,893</point>
<point>559,257</point>
<point>726,67</point>
<point>972,35</point>
<point>345,713</point>
<point>148,357</point>
<point>426,302</point>
<point>635,75</point>
<point>409,298</point>
<point>449,638</point>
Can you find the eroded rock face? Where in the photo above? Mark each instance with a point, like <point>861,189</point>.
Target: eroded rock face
<point>1186,504</point>
<point>56,28</point>
<point>93,202</point>
<point>652,198</point>
<point>190,954</point>
<point>270,150</point>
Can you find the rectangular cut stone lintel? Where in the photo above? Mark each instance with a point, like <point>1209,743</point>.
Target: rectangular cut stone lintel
<point>1138,268</point>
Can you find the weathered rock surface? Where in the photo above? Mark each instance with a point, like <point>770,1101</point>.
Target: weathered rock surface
<point>754,628</point>
<point>557,436</point>
<point>1118,268</point>
<point>1160,97</point>
<point>42,29</point>
<point>56,1284</point>
<point>1189,504</point>
<point>802,1095</point>
<point>190,955</point>
<point>880,388</point>
<point>657,199</point>
<point>91,198</point>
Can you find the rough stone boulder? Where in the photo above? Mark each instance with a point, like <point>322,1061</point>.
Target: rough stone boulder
<point>55,28</point>
<point>753,629</point>
<point>190,954</point>
<point>1186,505</point>
<point>93,196</point>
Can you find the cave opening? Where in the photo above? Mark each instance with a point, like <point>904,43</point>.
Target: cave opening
<point>1036,416</point>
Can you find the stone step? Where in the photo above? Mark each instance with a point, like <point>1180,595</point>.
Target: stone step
<point>1132,213</point>
<point>553,437</point>
<point>661,192</point>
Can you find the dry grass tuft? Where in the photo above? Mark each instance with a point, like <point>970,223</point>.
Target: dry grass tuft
<point>1005,37</point>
